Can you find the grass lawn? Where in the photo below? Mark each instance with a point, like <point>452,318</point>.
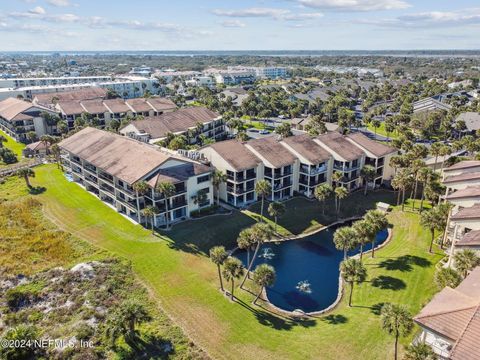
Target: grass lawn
<point>11,144</point>
<point>381,131</point>
<point>184,282</point>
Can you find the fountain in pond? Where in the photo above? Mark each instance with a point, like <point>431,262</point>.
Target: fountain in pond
<point>304,287</point>
<point>267,254</point>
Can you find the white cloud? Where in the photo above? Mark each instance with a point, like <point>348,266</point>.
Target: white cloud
<point>38,10</point>
<point>59,3</point>
<point>274,13</point>
<point>355,5</point>
<point>233,24</point>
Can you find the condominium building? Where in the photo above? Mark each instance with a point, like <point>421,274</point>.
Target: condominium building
<point>296,164</point>
<point>19,117</point>
<point>191,122</point>
<point>271,72</point>
<point>16,83</point>
<point>109,165</point>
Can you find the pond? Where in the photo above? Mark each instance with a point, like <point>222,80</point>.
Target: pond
<point>307,270</point>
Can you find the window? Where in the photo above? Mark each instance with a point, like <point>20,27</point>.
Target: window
<point>203,178</point>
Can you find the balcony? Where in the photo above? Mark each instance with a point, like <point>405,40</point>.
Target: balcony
<point>178,203</point>
<point>313,170</point>
<point>106,177</point>
<point>107,188</point>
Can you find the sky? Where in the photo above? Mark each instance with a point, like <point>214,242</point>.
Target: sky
<point>62,25</point>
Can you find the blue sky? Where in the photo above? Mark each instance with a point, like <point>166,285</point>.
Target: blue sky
<point>238,25</point>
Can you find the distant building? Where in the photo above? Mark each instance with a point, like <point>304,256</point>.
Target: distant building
<point>271,72</point>
<point>471,120</point>
<point>429,104</point>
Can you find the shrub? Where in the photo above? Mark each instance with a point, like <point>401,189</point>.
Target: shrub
<point>23,294</point>
<point>209,210</point>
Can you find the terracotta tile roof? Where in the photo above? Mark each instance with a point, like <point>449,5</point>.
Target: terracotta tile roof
<point>340,145</point>
<point>455,313</point>
<point>463,165</point>
<point>176,121</point>
<point>462,177</point>
<point>125,158</point>
<point>468,192</point>
<point>94,106</point>
<point>70,107</point>
<point>139,105</point>
<point>272,151</point>
<point>309,149</point>
<point>472,238</point>
<point>178,173</point>
<point>376,148</point>
<point>472,212</point>
<point>12,107</point>
<point>116,105</point>
<point>236,154</point>
<point>161,104</point>
<point>91,93</point>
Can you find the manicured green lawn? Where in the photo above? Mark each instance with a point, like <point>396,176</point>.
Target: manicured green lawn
<point>381,131</point>
<point>184,282</point>
<point>13,145</point>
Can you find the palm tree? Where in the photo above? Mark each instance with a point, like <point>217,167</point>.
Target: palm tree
<point>397,321</point>
<point>465,261</point>
<point>218,255</point>
<point>344,239</point>
<point>263,189</point>
<point>218,178</point>
<point>141,188</point>
<point>419,351</point>
<point>167,189</point>
<point>55,149</point>
<point>425,175</point>
<point>260,233</point>
<point>124,319</point>
<point>363,233</point>
<point>377,221</point>
<point>246,241</point>
<point>340,193</point>
<point>431,220</point>
<point>149,212</point>
<point>436,150</point>
<point>415,168</point>
<point>447,277</point>
<point>276,209</point>
<point>367,173</point>
<point>336,177</point>
<point>352,271</point>
<point>3,139</point>
<point>264,275</point>
<point>232,269</point>
<point>400,182</point>
<point>26,173</point>
<point>321,193</point>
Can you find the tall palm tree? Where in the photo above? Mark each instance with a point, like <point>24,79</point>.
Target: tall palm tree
<point>246,241</point>
<point>321,193</point>
<point>337,177</point>
<point>149,212</point>
<point>400,182</point>
<point>141,188</point>
<point>436,150</point>
<point>377,221</point>
<point>415,169</point>
<point>367,173</point>
<point>465,261</point>
<point>397,321</point>
<point>447,277</point>
<point>426,176</point>
<point>264,275</point>
<point>218,178</point>
<point>218,255</point>
<point>26,174</point>
<point>340,193</point>
<point>363,234</point>
<point>260,233</point>
<point>419,351</point>
<point>167,189</point>
<point>432,220</point>
<point>124,319</point>
<point>344,239</point>
<point>276,209</point>
<point>263,189</point>
<point>352,271</point>
<point>444,151</point>
<point>232,269</point>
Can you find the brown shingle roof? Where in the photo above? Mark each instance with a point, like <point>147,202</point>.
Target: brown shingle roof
<point>176,121</point>
<point>94,106</point>
<point>309,149</point>
<point>125,158</point>
<point>236,154</point>
<point>116,105</point>
<point>161,104</point>
<point>455,313</point>
<point>139,105</point>
<point>472,238</point>
<point>91,93</point>
<point>272,151</point>
<point>468,192</point>
<point>70,107</point>
<point>462,177</point>
<point>472,212</point>
<point>13,107</point>
<point>337,143</point>
<point>463,165</point>
<point>376,148</point>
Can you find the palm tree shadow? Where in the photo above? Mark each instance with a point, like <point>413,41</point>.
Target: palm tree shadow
<point>335,319</point>
<point>150,346</point>
<point>388,283</point>
<point>404,263</point>
<point>376,309</point>
<point>37,190</point>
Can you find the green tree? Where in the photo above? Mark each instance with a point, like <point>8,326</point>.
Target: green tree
<point>377,221</point>
<point>465,261</point>
<point>218,255</point>
<point>352,271</point>
<point>367,173</point>
<point>150,212</point>
<point>167,189</point>
<point>363,234</point>
<point>276,209</point>
<point>340,194</point>
<point>263,189</point>
<point>218,178</point>
<point>22,333</point>
<point>419,351</point>
<point>321,193</point>
<point>432,220</point>
<point>397,321</point>
<point>232,270</point>
<point>26,174</point>
<point>264,275</point>
<point>344,239</point>
<point>123,320</point>
<point>447,277</point>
